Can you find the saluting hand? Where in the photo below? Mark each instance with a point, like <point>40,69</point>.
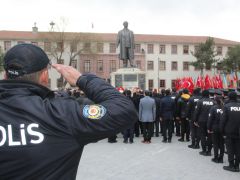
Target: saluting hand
<point>69,73</point>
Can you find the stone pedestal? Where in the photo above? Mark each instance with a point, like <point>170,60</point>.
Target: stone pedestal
<point>128,78</point>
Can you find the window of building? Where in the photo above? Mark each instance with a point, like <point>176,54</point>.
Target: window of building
<point>74,63</point>
<point>139,64</point>
<point>47,46</point>
<point>185,49</point>
<point>162,83</point>
<point>60,82</point>
<point>100,66</point>
<point>196,48</point>
<point>87,46</point>
<point>7,45</point>
<point>49,83</point>
<point>162,49</point>
<point>73,47</point>
<point>137,48</point>
<point>219,50</point>
<point>87,66</point>
<point>162,65</point>
<point>150,65</point>
<point>112,48</point>
<point>60,46</point>
<point>150,84</point>
<point>173,83</point>
<point>100,47</point>
<point>60,61</point>
<point>186,66</point>
<point>34,43</point>
<point>174,49</point>
<point>20,42</point>
<point>112,66</point>
<point>150,48</point>
<point>174,66</point>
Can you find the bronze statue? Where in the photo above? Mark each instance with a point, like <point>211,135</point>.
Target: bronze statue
<point>126,40</point>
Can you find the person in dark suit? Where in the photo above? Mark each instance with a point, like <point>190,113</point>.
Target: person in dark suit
<point>167,109</point>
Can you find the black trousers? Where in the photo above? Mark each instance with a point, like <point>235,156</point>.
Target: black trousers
<point>167,129</point>
<point>128,133</point>
<point>194,134</point>
<point>218,144</point>
<point>156,126</point>
<point>147,130</point>
<point>206,140</point>
<point>177,125</point>
<point>233,150</point>
<point>185,128</point>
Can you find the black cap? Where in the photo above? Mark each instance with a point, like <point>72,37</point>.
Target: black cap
<point>218,92</point>
<point>24,59</point>
<point>211,91</point>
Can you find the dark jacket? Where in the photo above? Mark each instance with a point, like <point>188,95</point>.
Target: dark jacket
<point>182,105</point>
<point>44,135</point>
<point>191,106</point>
<point>167,107</point>
<point>157,101</point>
<point>230,121</point>
<point>202,109</point>
<point>215,114</point>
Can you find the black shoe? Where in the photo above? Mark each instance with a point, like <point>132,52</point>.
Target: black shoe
<point>204,153</point>
<point>181,140</point>
<point>125,141</point>
<point>164,141</point>
<point>187,140</point>
<point>136,135</point>
<point>114,141</point>
<point>237,169</point>
<point>191,146</point>
<point>196,147</point>
<point>230,168</point>
<point>157,135</point>
<point>220,160</point>
<point>208,154</point>
<point>169,140</point>
<point>130,142</point>
<point>215,160</point>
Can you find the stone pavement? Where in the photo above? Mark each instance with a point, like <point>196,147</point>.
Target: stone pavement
<point>155,161</point>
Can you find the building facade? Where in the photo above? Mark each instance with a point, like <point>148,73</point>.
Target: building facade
<point>164,58</point>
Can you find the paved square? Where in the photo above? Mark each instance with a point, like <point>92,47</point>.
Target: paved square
<point>155,161</point>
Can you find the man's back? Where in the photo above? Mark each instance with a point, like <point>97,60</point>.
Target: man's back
<point>147,109</point>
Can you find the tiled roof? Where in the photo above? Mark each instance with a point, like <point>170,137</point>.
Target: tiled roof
<point>109,37</point>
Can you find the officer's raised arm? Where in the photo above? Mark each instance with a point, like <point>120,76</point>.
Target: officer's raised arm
<point>111,114</point>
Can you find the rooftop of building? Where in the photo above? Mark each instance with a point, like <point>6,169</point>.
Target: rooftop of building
<point>107,37</point>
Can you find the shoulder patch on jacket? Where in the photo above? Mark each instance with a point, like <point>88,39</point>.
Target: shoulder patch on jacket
<point>94,111</point>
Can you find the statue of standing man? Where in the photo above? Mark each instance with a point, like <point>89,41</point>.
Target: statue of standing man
<point>126,40</point>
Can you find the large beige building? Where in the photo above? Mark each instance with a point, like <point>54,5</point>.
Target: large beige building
<point>163,57</point>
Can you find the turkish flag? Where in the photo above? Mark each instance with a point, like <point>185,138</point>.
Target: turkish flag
<point>208,83</point>
<point>200,82</point>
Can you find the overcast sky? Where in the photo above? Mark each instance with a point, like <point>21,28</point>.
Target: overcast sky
<point>218,18</point>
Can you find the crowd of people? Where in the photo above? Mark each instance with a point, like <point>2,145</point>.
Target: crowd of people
<point>208,119</point>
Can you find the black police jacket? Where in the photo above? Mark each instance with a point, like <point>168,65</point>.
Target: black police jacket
<point>182,106</point>
<point>230,121</point>
<point>191,106</point>
<point>215,114</point>
<point>202,109</point>
<point>167,107</point>
<point>42,136</point>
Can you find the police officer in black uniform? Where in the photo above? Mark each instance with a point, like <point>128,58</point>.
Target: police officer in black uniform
<point>191,109</point>
<point>213,127</point>
<point>200,119</point>
<point>42,136</point>
<point>229,125</point>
